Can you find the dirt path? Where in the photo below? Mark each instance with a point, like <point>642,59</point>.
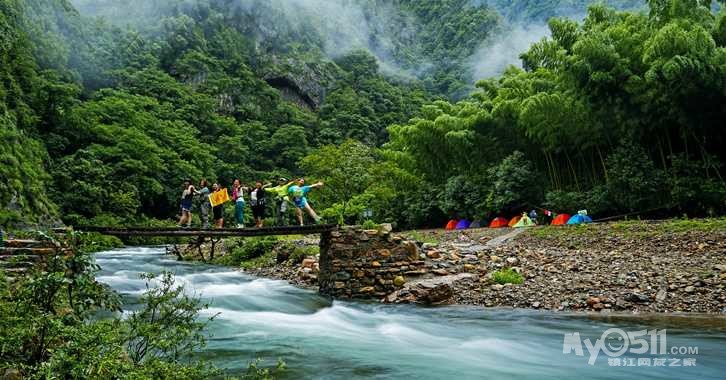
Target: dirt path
<point>499,240</point>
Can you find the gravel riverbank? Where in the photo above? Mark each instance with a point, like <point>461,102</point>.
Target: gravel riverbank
<point>625,267</point>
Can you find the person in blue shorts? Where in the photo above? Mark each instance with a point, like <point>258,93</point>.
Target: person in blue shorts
<point>186,204</point>
<point>298,196</point>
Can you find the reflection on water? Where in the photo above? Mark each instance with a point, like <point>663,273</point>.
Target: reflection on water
<point>332,340</point>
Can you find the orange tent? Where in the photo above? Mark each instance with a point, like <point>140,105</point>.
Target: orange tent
<point>452,224</point>
<point>560,220</point>
<point>498,223</point>
<point>514,221</point>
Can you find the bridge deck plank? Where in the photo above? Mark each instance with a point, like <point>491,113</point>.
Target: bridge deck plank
<point>220,232</point>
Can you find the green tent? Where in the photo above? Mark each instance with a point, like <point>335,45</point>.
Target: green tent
<point>524,221</point>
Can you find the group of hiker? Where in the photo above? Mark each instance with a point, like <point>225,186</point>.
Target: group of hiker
<point>285,193</point>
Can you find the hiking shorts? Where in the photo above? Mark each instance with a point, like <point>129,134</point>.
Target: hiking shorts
<point>217,211</point>
<point>186,205</point>
<point>258,211</point>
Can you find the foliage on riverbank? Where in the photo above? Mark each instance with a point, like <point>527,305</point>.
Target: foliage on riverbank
<point>252,253</point>
<point>618,113</point>
<point>58,322</point>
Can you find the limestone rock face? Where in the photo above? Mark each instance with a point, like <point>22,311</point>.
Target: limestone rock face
<point>300,82</point>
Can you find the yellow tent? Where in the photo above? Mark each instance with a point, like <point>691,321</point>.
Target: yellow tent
<point>524,221</point>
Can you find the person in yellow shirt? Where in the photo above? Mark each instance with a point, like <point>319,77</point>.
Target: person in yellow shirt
<point>281,199</point>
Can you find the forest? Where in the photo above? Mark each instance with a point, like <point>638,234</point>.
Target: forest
<point>106,108</point>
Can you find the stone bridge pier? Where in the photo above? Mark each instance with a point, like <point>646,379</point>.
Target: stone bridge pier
<point>358,263</point>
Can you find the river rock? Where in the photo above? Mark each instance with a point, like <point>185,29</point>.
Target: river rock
<point>399,281</point>
<point>661,295</point>
<point>637,298</point>
<point>431,291</point>
<point>592,301</point>
<point>433,255</point>
<point>12,374</point>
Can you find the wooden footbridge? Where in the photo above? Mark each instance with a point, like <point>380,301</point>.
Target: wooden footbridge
<point>207,232</point>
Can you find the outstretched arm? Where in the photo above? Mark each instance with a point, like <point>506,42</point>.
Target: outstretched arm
<point>317,185</point>
<point>266,185</point>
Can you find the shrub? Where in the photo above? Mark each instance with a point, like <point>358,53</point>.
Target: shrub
<point>299,253</point>
<point>634,183</point>
<point>507,276</point>
<point>514,182</point>
<point>52,325</point>
<point>248,249</point>
<point>370,225</point>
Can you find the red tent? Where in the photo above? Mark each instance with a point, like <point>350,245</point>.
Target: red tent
<point>560,220</point>
<point>452,224</point>
<point>498,223</point>
<point>514,221</point>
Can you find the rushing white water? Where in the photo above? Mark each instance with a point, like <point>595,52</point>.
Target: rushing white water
<point>317,338</point>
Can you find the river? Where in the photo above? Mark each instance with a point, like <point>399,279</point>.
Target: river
<point>317,338</point>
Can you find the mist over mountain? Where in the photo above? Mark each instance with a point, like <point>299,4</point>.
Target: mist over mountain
<point>116,102</point>
<point>397,33</point>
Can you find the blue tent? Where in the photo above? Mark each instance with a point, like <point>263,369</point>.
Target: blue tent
<point>579,219</point>
<point>463,224</point>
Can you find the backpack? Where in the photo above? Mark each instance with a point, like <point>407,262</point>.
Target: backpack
<point>257,198</point>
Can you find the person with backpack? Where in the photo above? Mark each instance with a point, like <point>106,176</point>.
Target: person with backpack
<point>298,194</point>
<point>204,205</point>
<point>281,199</point>
<point>258,203</point>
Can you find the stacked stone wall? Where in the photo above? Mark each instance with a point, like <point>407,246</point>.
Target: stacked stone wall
<point>358,263</point>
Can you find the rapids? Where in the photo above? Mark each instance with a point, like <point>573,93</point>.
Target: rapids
<point>319,338</point>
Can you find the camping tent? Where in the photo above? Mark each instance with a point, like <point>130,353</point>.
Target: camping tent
<point>579,219</point>
<point>560,220</point>
<point>452,224</point>
<point>514,221</point>
<point>475,224</point>
<point>524,221</point>
<point>498,223</point>
<point>463,224</point>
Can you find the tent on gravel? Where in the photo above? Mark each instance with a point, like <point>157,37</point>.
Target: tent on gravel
<point>499,223</point>
<point>463,224</point>
<point>451,225</point>
<point>579,219</point>
<point>560,220</point>
<point>524,221</point>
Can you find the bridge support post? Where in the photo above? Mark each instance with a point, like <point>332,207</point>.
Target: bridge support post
<point>358,263</point>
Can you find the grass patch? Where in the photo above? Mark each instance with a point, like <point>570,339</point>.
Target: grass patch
<point>423,238</point>
<point>265,261</point>
<point>559,231</point>
<point>370,225</point>
<point>299,253</point>
<point>507,276</point>
<point>247,251</point>
<point>679,225</point>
